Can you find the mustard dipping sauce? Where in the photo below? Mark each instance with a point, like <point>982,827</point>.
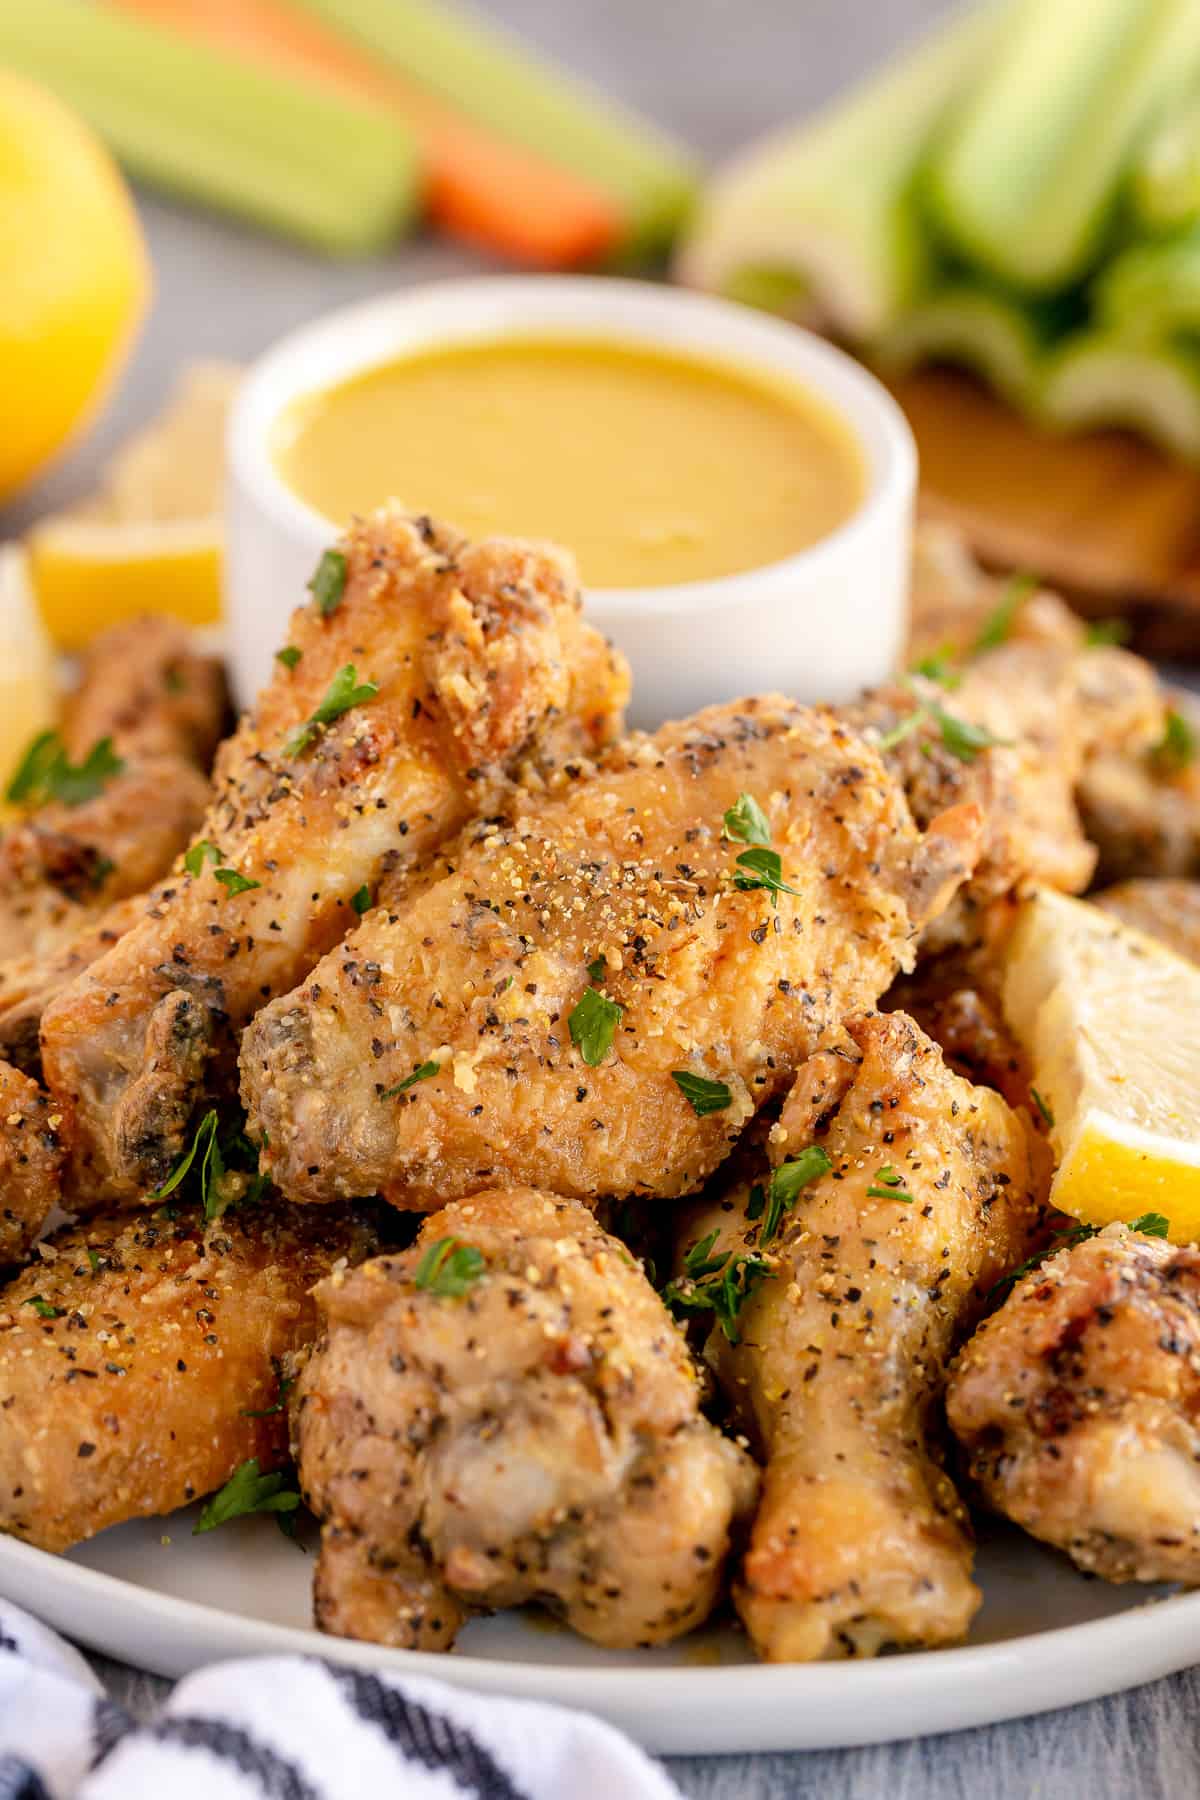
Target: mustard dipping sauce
<point>654,467</point>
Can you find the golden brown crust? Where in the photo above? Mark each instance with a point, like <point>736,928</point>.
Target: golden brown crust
<point>31,1161</point>
<point>134,1398</point>
<point>537,1437</point>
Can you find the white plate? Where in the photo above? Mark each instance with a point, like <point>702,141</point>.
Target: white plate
<point>153,1595</point>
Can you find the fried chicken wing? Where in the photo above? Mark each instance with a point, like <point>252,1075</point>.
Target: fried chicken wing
<point>956,603</point>
<point>1167,910</point>
<point>464,1038</point>
<point>162,706</point>
<point>1078,1406</point>
<point>932,1192</point>
<point>29,983</point>
<point>530,1431</point>
<point>1142,810</point>
<point>31,1161</point>
<point>134,1358</point>
<point>480,659</point>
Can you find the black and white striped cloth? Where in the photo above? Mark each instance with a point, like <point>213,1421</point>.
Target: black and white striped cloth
<point>294,1728</point>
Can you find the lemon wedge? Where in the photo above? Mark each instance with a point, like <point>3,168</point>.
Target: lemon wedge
<point>1110,1019</point>
<point>28,681</point>
<point>150,539</point>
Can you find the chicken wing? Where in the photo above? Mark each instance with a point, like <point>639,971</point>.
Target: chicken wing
<point>29,983</point>
<point>836,1359</point>
<point>506,1413</point>
<point>1167,910</point>
<point>1078,1406</point>
<point>956,604</point>
<point>31,1161</point>
<point>1142,810</point>
<point>537,1013</point>
<point>424,669</point>
<point>161,706</point>
<point>140,1360</point>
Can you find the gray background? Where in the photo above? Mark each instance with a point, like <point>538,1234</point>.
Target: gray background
<point>718,71</point>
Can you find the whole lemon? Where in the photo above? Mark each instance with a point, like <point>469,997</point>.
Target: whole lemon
<point>74,277</point>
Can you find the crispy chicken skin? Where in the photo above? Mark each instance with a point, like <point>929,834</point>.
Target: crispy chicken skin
<point>481,658</point>
<point>537,1437</point>
<point>163,707</point>
<point>629,874</point>
<point>134,1398</point>
<point>861,1540</point>
<point>31,1161</point>
<point>1167,910</point>
<point>1143,811</point>
<point>29,983</point>
<point>1078,1406</point>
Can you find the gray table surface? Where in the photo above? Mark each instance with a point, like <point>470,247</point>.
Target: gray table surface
<point>718,71</point>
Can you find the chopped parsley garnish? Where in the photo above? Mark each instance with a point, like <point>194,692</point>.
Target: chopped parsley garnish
<point>959,736</point>
<point>423,1072</point>
<point>235,883</point>
<point>328,582</point>
<point>289,656</point>
<point>1177,747</point>
<point>939,667</point>
<point>997,627</point>
<point>592,1023</point>
<point>889,1185</point>
<point>173,681</point>
<point>95,1260</point>
<point>343,692</point>
<point>43,1308</point>
<point>763,869</point>
<point>47,773</point>
<point>449,1268</point>
<point>704,1095</point>
<point>1108,631</point>
<point>286,1383</point>
<point>247,1491</point>
<point>1149,1224</point>
<point>361,902</point>
<point>208,1156</point>
<point>597,969</point>
<point>718,1284</point>
<point>784,1189</point>
<point>747,821</point>
<point>1043,1106</point>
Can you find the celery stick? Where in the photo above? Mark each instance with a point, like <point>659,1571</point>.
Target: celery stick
<point>1026,179</point>
<point>1152,290</point>
<point>205,126</point>
<point>501,85</point>
<point>988,333</point>
<point>1164,189</point>
<point>830,201</point>
<point>1098,379</point>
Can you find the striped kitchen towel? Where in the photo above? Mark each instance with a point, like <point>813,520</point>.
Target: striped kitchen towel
<point>294,1728</point>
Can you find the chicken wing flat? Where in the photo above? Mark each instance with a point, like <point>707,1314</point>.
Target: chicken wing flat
<point>506,1413</point>
<point>1078,1406</point>
<point>31,1161</point>
<point>857,1295</point>
<point>424,669</point>
<point>160,706</point>
<point>532,1015</point>
<point>1142,810</point>
<point>1164,909</point>
<point>139,1363</point>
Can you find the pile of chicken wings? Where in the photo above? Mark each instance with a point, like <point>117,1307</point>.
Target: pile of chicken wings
<point>599,1160</point>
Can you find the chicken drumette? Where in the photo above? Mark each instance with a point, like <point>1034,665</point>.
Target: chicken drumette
<point>424,670</point>
<point>140,1360</point>
<point>537,1013</point>
<point>506,1413</point>
<point>1078,1406</point>
<point>899,1194</point>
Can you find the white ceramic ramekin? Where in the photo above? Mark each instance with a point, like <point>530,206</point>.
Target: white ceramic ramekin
<point>821,625</point>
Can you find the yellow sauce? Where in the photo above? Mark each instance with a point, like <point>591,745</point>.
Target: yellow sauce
<point>652,467</point>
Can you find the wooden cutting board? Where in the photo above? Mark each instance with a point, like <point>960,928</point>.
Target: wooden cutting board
<point>1111,521</point>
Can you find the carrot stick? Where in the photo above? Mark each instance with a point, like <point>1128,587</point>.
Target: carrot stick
<point>481,188</point>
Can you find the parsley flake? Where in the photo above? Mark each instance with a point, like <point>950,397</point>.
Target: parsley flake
<point>343,692</point>
<point>208,1156</point>
<point>289,656</point>
<point>1149,1224</point>
<point>763,869</point>
<point>195,858</point>
<point>1107,631</point>
<point>997,627</point>
<point>247,1491</point>
<point>785,1185</point>
<point>449,1268</point>
<point>1177,748</point>
<point>705,1096</point>
<point>286,1382</point>
<point>939,667</point>
<point>43,1308</point>
<point>592,1023</point>
<point>423,1072</point>
<point>361,902</point>
<point>719,1284</point>
<point>233,882</point>
<point>960,737</point>
<point>1043,1106</point>
<point>95,1260</point>
<point>328,582</point>
<point>889,1185</point>
<point>747,821</point>
<point>47,773</point>
<point>597,969</point>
